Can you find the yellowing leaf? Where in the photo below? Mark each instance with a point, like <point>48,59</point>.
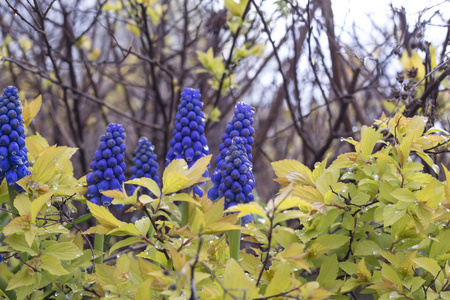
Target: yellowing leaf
<point>248,208</point>
<point>147,183</point>
<point>23,204</point>
<point>369,137</point>
<point>280,281</point>
<point>236,8</point>
<point>362,272</point>
<point>194,174</point>
<point>173,176</point>
<point>293,171</point>
<point>237,282</point>
<point>37,203</point>
<point>31,109</point>
<point>215,213</point>
<point>103,216</point>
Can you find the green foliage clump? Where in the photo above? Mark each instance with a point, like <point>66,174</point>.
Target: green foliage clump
<point>372,221</point>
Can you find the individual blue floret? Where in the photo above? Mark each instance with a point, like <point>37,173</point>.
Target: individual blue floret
<point>189,141</point>
<point>13,152</point>
<point>144,164</point>
<point>107,166</point>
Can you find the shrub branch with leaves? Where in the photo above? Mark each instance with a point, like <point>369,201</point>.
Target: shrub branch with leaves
<point>371,221</point>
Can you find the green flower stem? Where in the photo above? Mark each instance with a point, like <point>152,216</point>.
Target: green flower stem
<point>184,213</point>
<point>99,241</point>
<point>12,195</point>
<point>3,284</point>
<point>234,242</point>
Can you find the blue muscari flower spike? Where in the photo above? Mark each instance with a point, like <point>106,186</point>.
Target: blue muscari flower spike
<point>144,164</point>
<point>189,141</point>
<point>235,176</point>
<point>107,166</point>
<point>239,126</point>
<point>13,152</point>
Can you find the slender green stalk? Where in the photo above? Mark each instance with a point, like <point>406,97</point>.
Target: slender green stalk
<point>12,195</point>
<point>3,284</point>
<point>99,241</point>
<point>184,213</point>
<point>234,242</point>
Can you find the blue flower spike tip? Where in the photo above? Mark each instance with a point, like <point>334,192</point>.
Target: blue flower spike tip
<point>13,151</point>
<point>239,132</point>
<point>144,164</point>
<point>107,166</point>
<point>189,141</point>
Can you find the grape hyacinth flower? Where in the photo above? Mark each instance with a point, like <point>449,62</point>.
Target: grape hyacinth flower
<point>189,141</point>
<point>144,164</point>
<point>13,152</point>
<point>236,181</point>
<point>239,126</point>
<point>107,166</point>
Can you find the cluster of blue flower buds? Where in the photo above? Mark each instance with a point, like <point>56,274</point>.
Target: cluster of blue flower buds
<point>144,164</point>
<point>108,165</point>
<point>13,152</point>
<point>189,141</point>
<point>236,178</point>
<point>239,126</point>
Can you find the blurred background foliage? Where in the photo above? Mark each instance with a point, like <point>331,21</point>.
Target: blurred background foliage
<point>311,81</point>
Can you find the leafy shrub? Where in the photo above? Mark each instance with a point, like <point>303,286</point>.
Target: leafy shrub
<point>372,221</point>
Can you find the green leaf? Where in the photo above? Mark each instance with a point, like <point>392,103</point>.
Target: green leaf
<point>23,204</point>
<point>404,195</point>
<point>428,264</point>
<point>280,281</point>
<point>369,137</point>
<point>21,278</point>
<point>237,282</point>
<point>52,265</point>
<point>17,242</point>
<point>328,270</point>
<point>143,225</point>
<point>365,248</point>
<point>332,241</point>
<point>124,243</point>
<point>63,251</point>
<point>236,8</point>
<point>389,273</point>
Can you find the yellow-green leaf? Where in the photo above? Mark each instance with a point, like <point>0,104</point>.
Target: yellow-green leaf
<point>280,281</point>
<point>53,265</point>
<point>428,264</point>
<point>31,109</point>
<point>147,183</point>
<point>63,251</point>
<point>103,215</point>
<point>37,204</point>
<point>23,204</point>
